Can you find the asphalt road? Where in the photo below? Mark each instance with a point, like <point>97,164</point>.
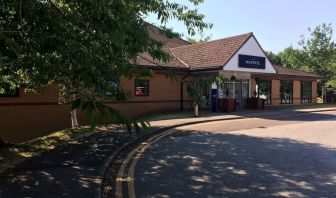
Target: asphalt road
<point>282,156</point>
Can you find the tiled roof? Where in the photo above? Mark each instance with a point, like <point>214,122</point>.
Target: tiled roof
<point>210,54</point>
<point>146,60</point>
<point>205,55</point>
<point>292,72</point>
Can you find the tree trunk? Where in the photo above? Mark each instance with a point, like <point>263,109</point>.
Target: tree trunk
<point>74,121</point>
<point>196,110</point>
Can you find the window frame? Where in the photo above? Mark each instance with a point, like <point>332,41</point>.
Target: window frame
<point>135,87</point>
<point>268,99</point>
<point>305,99</point>
<point>290,100</point>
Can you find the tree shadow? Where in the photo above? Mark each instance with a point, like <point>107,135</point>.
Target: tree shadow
<point>72,170</point>
<point>200,164</point>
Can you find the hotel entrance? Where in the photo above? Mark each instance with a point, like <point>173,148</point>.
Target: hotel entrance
<point>235,89</point>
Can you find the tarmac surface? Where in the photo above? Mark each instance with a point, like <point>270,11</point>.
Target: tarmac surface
<point>285,155</point>
<point>209,160</point>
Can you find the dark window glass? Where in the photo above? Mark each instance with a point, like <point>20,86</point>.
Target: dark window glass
<point>113,89</point>
<point>265,90</point>
<point>286,92</point>
<point>141,87</point>
<point>8,92</point>
<point>306,91</point>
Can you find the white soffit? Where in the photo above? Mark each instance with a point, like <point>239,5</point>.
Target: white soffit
<point>250,48</point>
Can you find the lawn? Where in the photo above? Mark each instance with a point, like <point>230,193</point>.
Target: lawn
<point>10,157</point>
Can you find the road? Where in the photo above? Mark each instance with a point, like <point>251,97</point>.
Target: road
<point>279,156</point>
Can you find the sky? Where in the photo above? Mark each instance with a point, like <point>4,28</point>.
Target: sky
<point>277,24</point>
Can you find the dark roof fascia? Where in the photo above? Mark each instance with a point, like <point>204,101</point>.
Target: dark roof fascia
<point>284,76</point>
<point>163,68</point>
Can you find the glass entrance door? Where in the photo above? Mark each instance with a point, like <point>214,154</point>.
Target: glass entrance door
<point>238,89</point>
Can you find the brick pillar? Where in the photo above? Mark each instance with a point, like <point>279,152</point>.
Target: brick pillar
<point>275,92</point>
<point>296,92</point>
<point>253,87</point>
<point>314,91</point>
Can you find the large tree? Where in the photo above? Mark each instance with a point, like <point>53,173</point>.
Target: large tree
<point>316,53</point>
<point>84,46</point>
<point>320,50</point>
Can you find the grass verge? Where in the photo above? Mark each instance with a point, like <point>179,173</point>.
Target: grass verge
<point>12,156</point>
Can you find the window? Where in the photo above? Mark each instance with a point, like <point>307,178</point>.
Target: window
<point>306,91</point>
<point>8,92</point>
<point>141,87</point>
<point>113,89</point>
<point>265,90</point>
<point>286,92</point>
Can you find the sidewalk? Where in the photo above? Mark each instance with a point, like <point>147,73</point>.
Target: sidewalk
<point>171,120</point>
<point>76,170</point>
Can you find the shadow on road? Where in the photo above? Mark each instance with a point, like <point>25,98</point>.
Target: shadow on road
<point>74,170</point>
<point>199,164</point>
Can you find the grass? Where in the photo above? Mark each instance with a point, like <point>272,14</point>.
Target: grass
<point>12,156</point>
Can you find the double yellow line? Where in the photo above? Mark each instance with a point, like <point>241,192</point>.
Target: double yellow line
<point>135,154</point>
<point>133,157</point>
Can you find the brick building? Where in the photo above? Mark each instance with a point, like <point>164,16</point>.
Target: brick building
<point>240,59</point>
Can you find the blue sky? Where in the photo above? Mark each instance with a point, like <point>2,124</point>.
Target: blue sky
<point>277,24</point>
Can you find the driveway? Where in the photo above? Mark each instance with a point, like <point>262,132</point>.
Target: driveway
<point>291,155</point>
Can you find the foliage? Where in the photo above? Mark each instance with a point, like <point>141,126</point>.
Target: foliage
<point>274,58</point>
<point>12,155</point>
<point>320,50</point>
<point>201,39</point>
<point>198,86</point>
<point>316,54</point>
<point>85,47</point>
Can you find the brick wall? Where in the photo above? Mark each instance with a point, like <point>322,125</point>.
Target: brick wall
<point>314,91</point>
<point>253,87</point>
<point>275,92</point>
<point>32,115</point>
<point>296,92</point>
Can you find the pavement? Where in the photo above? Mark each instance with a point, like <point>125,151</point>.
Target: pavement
<point>76,170</point>
<point>283,155</point>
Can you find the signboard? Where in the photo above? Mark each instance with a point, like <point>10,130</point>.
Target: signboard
<point>213,100</point>
<point>254,62</point>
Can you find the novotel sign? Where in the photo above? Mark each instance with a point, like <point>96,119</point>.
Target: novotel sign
<point>254,62</point>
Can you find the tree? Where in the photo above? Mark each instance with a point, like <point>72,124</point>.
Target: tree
<point>202,39</point>
<point>197,88</point>
<point>274,58</point>
<point>293,58</point>
<point>85,47</point>
<point>320,50</point>
<point>316,54</point>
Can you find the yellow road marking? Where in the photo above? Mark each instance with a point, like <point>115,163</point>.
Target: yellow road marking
<point>131,191</point>
<point>129,179</point>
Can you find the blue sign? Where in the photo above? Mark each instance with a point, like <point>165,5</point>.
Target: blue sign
<point>254,62</point>
<point>213,100</point>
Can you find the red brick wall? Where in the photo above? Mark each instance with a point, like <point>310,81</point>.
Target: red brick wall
<point>253,87</point>
<point>33,115</point>
<point>296,92</point>
<point>275,92</point>
<point>20,123</point>
<point>314,91</point>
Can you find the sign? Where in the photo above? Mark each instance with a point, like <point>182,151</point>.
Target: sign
<point>254,62</point>
<point>213,100</point>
